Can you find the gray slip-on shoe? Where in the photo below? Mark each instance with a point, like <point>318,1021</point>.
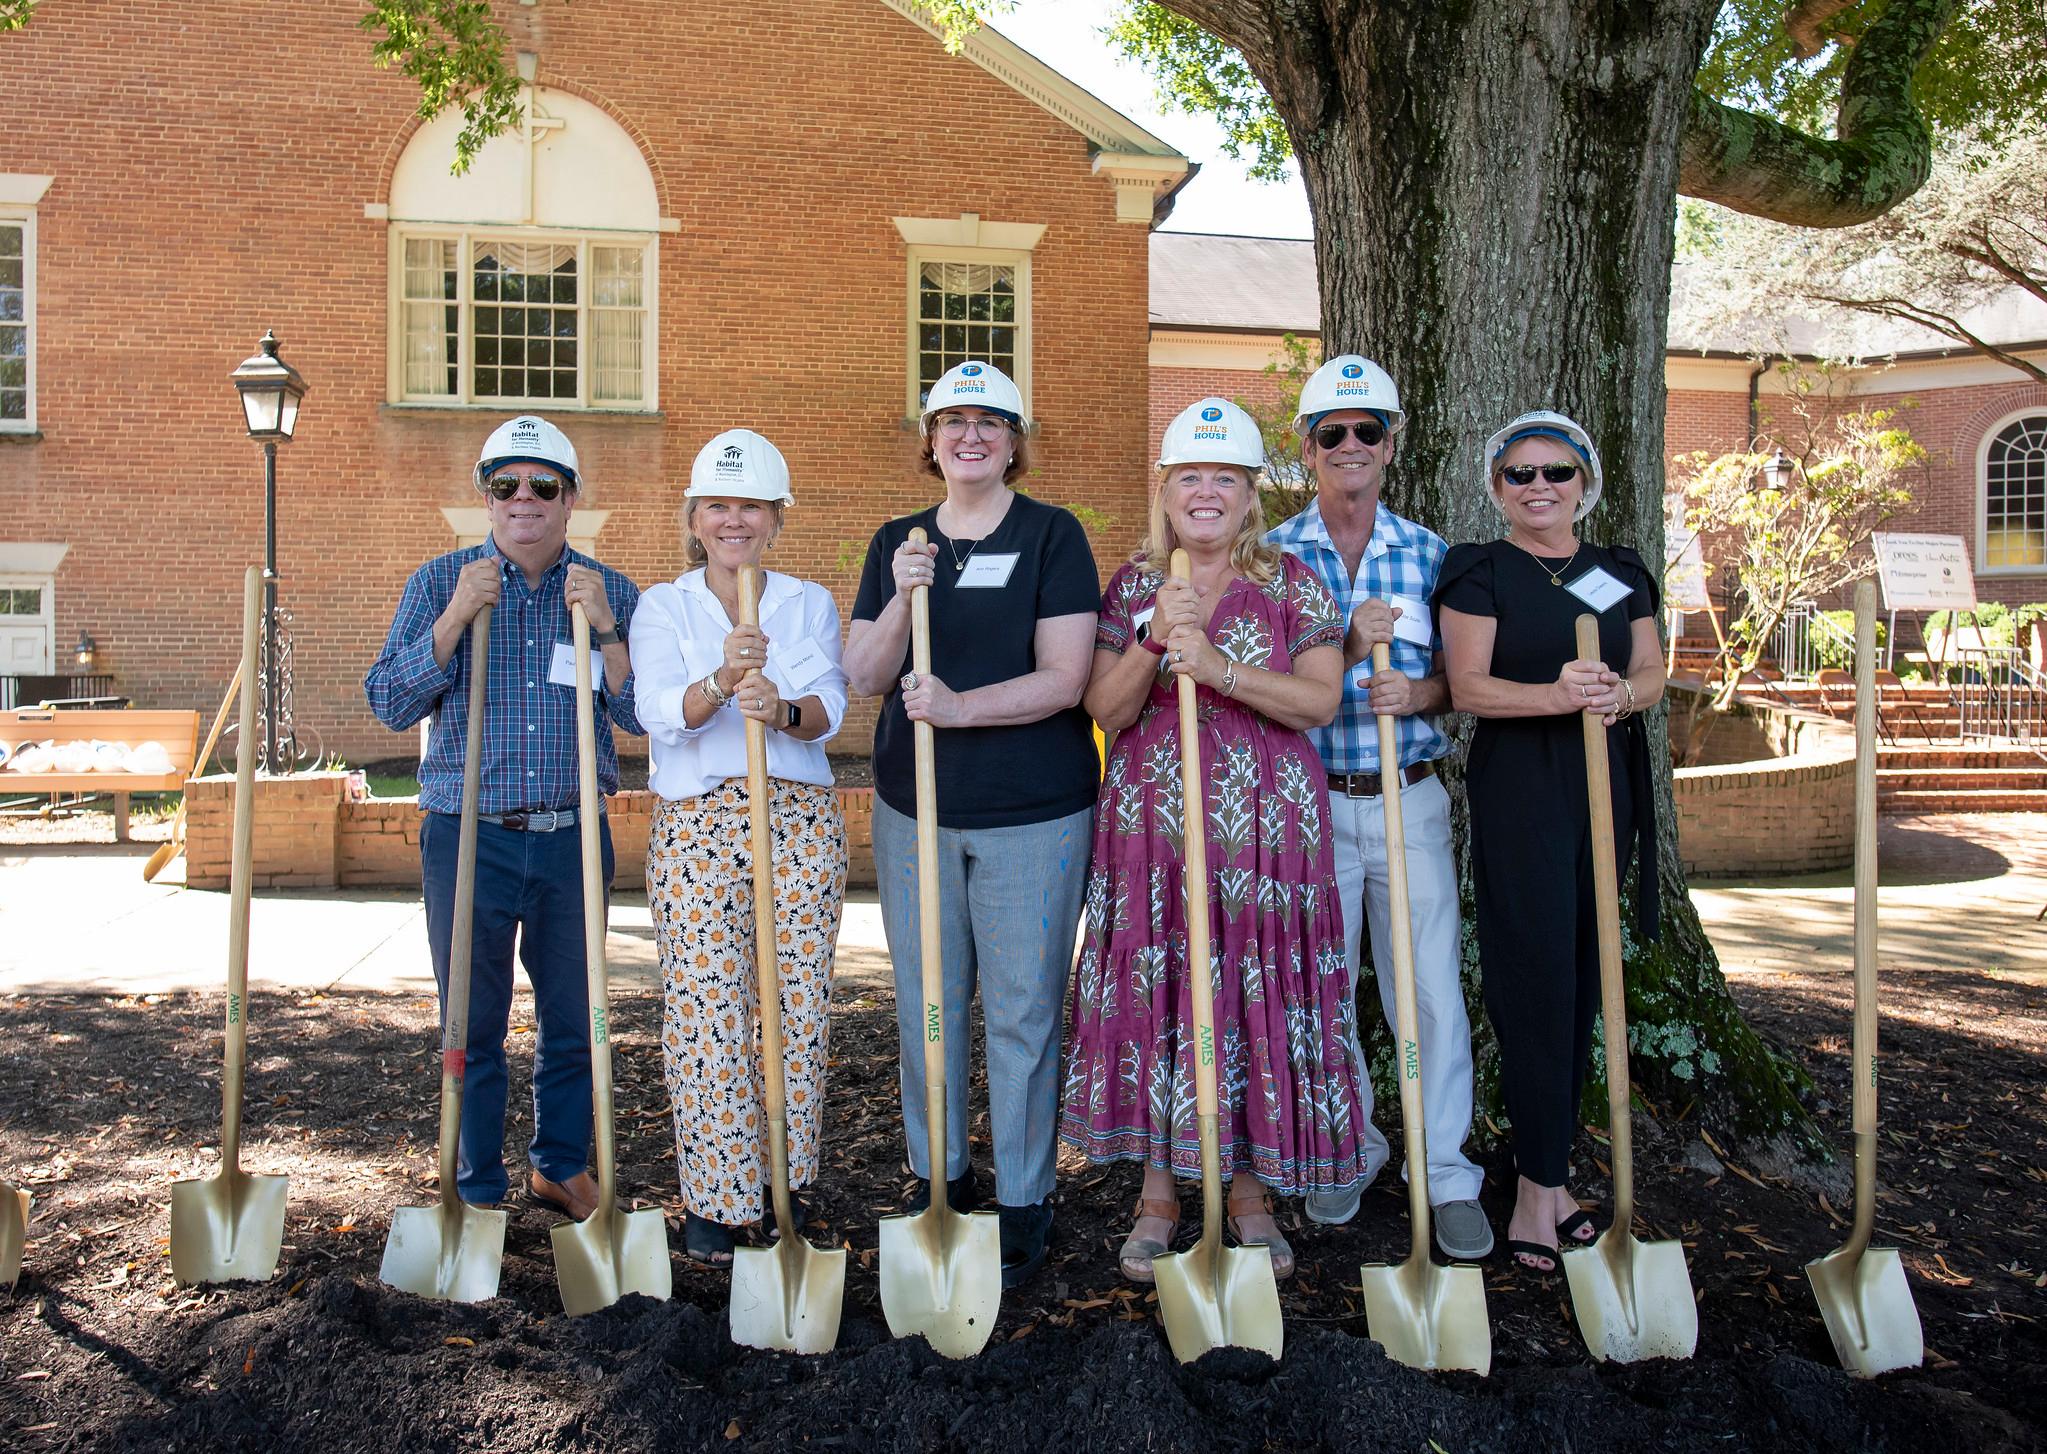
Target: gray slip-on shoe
<point>1462,1231</point>
<point>1333,1208</point>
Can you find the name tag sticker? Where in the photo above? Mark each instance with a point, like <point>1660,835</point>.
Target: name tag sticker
<point>563,672</point>
<point>1597,588</point>
<point>801,667</point>
<point>1413,624</point>
<point>986,573</point>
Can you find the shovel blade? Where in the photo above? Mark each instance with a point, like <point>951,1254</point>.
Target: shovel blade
<point>788,1296</point>
<point>941,1276</point>
<point>599,1261</point>
<point>1869,1310</point>
<point>1633,1299</point>
<point>1428,1316</point>
<point>1219,1297</point>
<point>13,1232</point>
<point>452,1255</point>
<point>227,1228</point>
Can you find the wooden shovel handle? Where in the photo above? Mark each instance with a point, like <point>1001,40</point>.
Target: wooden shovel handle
<point>241,881</point>
<point>1406,1020</point>
<point>1863,1101</point>
<point>462,923</point>
<point>929,948</point>
<point>1606,901</point>
<point>597,983</point>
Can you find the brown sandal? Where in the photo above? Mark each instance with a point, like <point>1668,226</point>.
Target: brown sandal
<point>1250,1204</point>
<point>1135,1258</point>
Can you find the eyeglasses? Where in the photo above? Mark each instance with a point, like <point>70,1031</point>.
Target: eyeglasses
<point>1368,432</point>
<point>1556,472</point>
<point>503,487</point>
<point>983,426</point>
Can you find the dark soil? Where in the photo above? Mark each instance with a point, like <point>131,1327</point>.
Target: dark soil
<point>107,1102</point>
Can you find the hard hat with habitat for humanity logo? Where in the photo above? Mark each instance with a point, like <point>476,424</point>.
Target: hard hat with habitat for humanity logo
<point>531,440</point>
<point>1213,431</point>
<point>741,465</point>
<point>1348,382</point>
<point>974,384</point>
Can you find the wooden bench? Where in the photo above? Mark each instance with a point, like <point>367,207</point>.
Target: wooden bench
<point>177,731</point>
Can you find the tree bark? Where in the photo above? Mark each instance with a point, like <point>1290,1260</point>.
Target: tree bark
<point>1493,191</point>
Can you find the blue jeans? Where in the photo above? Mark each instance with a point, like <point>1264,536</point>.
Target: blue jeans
<point>1009,905</point>
<point>529,887</point>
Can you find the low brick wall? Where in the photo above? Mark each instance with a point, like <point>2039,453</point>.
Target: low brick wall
<point>1789,814</point>
<point>308,835</point>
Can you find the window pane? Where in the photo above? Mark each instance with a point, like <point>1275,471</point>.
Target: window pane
<point>618,324</point>
<point>12,238</point>
<point>964,310</point>
<point>2015,494</point>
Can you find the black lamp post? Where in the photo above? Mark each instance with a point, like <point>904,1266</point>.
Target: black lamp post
<point>270,390</point>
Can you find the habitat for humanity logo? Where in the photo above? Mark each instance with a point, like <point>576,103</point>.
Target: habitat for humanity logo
<point>734,459</point>
<point>525,431</point>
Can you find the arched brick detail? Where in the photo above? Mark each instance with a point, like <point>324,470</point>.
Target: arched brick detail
<point>388,167</point>
<point>1969,438</point>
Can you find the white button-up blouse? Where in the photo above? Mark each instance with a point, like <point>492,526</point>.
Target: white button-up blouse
<point>678,638</point>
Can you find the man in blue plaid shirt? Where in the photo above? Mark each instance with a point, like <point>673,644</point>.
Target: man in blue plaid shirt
<point>1383,569</point>
<point>529,880</point>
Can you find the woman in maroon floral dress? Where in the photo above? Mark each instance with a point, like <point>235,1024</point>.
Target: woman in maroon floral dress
<point>1263,640</point>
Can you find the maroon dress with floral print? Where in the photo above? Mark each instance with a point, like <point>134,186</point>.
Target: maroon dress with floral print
<point>1288,1090</point>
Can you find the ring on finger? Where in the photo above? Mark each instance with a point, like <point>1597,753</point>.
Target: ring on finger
<point>909,682</point>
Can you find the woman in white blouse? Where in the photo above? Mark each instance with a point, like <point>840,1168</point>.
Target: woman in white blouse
<point>697,675</point>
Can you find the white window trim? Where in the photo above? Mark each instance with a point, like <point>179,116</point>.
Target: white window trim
<point>47,584</point>
<point>1983,567</point>
<point>26,215</point>
<point>920,254</point>
<point>394,376</point>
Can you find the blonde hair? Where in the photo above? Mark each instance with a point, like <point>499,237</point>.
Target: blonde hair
<point>1250,556</point>
<point>693,553</point>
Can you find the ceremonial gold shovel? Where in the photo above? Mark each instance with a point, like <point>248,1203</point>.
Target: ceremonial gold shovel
<point>941,1272</point>
<point>1633,1299</point>
<point>786,1296</point>
<point>1423,1315</point>
<point>453,1251</point>
<point>230,1227</point>
<point>1861,1289</point>
<point>1210,1296</point>
<point>599,1260</point>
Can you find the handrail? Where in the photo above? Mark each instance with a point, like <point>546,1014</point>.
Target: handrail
<point>2001,696</point>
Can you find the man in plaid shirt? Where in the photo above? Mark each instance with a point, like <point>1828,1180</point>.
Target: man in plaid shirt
<point>1382,569</point>
<point>529,880</point>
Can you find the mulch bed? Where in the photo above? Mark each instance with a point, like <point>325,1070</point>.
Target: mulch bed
<point>108,1101</point>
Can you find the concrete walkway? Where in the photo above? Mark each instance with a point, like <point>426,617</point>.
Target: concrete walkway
<point>1957,893</point>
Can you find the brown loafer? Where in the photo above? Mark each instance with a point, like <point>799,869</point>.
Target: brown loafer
<point>576,1197</point>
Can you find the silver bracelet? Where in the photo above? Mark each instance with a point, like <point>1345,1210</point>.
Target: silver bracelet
<point>1230,679</point>
<point>1629,710</point>
<point>716,695</point>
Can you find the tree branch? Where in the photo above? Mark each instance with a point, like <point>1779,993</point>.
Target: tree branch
<point>1806,24</point>
<point>1245,24</point>
<point>1986,253</point>
<point>1881,153</point>
<point>1944,324</point>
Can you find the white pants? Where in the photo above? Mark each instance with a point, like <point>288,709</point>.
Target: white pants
<point>1433,912</point>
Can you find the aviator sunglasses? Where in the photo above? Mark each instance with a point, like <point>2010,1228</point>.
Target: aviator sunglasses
<point>1368,431</point>
<point>1556,472</point>
<point>503,487</point>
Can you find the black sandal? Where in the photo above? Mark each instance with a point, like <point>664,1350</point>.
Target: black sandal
<point>1579,1221</point>
<point>706,1241</point>
<point>1518,1250</point>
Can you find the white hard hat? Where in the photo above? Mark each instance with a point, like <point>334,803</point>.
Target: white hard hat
<point>1348,382</point>
<point>531,439</point>
<point>973,385</point>
<point>1213,431</point>
<point>741,464</point>
<point>1548,424</point>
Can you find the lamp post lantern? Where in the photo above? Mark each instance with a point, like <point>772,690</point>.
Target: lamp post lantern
<point>270,391</point>
<point>1777,470</point>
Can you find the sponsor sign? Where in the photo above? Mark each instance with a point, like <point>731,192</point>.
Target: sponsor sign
<point>1924,572</point>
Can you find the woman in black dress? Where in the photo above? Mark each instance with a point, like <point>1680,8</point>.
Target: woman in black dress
<point>1508,611</point>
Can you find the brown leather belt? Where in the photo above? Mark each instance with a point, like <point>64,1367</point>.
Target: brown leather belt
<point>1367,784</point>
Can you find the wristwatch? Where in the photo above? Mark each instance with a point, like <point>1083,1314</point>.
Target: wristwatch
<point>792,716</point>
<point>1146,640</point>
<point>607,638</point>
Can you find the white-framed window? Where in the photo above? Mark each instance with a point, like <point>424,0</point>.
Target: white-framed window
<point>523,318</point>
<point>968,303</point>
<point>28,614</point>
<point>2014,475</point>
<point>17,320</point>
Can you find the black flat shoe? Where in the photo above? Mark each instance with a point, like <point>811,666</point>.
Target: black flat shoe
<point>706,1241</point>
<point>1026,1238</point>
<point>799,1213</point>
<point>961,1195</point>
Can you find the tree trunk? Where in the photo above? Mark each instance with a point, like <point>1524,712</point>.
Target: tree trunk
<point>1494,189</point>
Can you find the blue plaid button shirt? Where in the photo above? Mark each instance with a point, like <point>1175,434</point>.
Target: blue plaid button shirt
<point>1401,559</point>
<point>529,725</point>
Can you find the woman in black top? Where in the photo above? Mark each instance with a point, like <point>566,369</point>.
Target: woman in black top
<point>1013,600</point>
<point>1508,611</point>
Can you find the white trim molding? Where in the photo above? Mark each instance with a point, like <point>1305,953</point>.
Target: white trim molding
<point>471,523</point>
<point>968,230</point>
<point>1140,178</point>
<point>1982,493</point>
<point>30,558</point>
<point>23,189</point>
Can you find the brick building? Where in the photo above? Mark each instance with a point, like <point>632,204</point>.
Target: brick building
<point>775,214</point>
<point>1220,306</point>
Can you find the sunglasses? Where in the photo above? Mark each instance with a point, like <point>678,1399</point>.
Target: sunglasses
<point>503,487</point>
<point>1368,432</point>
<point>1556,472</point>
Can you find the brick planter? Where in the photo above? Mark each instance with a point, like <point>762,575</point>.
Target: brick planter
<point>1790,814</point>
<point>308,835</point>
